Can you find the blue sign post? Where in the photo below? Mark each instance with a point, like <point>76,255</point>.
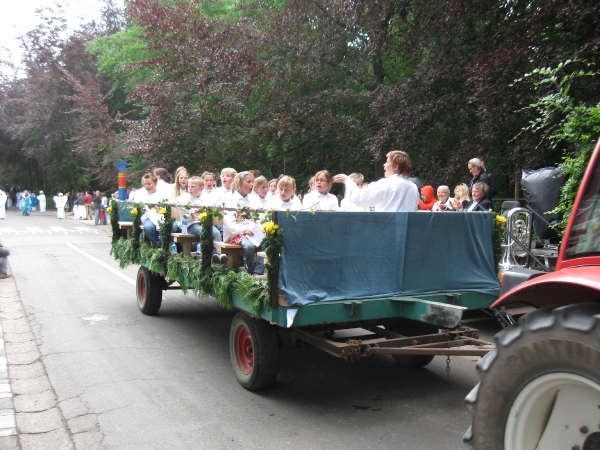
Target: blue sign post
<point>122,181</point>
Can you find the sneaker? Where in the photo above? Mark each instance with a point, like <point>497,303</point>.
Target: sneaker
<point>5,275</point>
<point>216,259</point>
<point>224,259</point>
<point>257,275</point>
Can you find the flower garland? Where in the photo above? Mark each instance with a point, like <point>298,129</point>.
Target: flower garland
<point>273,243</point>
<point>113,212</point>
<point>498,237</point>
<point>203,278</point>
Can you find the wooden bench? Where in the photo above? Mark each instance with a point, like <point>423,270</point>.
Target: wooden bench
<point>186,241</point>
<point>127,226</point>
<point>232,251</point>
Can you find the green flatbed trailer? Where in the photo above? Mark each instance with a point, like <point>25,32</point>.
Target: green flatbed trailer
<point>411,328</point>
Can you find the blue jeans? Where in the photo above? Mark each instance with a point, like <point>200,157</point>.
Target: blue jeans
<point>96,216</point>
<point>253,266</point>
<point>150,231</point>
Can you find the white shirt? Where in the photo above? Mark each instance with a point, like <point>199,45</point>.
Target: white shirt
<point>165,189</point>
<point>448,203</point>
<point>320,202</point>
<point>210,198</point>
<point>348,206</point>
<point>293,204</point>
<point>236,200</point>
<point>232,226</point>
<point>142,196</point>
<point>260,203</point>
<point>391,194</point>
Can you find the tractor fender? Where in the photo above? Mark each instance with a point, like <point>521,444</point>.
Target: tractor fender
<point>566,286</point>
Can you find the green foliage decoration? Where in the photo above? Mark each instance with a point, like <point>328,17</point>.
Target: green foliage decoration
<point>561,121</point>
<point>123,251</point>
<point>113,211</point>
<point>498,237</point>
<point>273,243</point>
<point>202,277</point>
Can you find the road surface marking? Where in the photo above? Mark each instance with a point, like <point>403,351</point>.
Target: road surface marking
<point>103,264</point>
<point>85,230</point>
<point>59,229</point>
<point>34,230</point>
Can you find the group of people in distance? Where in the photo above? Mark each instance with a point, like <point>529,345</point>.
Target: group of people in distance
<point>24,200</point>
<point>395,192</point>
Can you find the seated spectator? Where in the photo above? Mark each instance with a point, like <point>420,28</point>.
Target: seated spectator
<point>461,197</point>
<point>4,253</point>
<point>427,198</point>
<point>444,202</point>
<point>480,202</point>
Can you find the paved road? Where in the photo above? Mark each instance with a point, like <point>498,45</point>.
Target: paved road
<point>89,371</point>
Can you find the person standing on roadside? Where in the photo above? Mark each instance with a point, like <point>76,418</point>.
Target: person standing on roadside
<point>60,201</point>
<point>88,205</point>
<point>103,206</point>
<point>25,204</point>
<point>4,262</point>
<point>3,199</point>
<point>42,201</point>
<point>97,207</point>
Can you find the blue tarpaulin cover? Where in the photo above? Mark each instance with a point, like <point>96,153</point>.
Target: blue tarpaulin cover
<point>331,256</point>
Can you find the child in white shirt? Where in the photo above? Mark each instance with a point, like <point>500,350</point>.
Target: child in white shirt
<point>272,188</point>
<point>224,192</point>
<point>261,188</point>
<point>149,194</point>
<point>320,199</point>
<point>236,229</point>
<point>286,196</point>
<point>195,198</point>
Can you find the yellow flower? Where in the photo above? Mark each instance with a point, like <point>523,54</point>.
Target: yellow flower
<point>134,212</point>
<point>500,221</point>
<point>109,209</point>
<point>269,227</point>
<point>162,211</point>
<point>203,216</point>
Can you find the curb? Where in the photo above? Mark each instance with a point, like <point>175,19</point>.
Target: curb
<point>29,415</point>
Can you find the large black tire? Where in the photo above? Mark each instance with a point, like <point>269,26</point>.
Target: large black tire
<point>254,351</point>
<point>409,328</point>
<point>541,383</point>
<point>148,288</point>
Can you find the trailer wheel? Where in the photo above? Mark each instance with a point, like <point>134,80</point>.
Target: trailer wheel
<point>254,351</point>
<point>541,384</point>
<point>149,291</point>
<point>413,328</point>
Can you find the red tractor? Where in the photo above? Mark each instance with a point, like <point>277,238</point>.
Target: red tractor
<point>540,386</point>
